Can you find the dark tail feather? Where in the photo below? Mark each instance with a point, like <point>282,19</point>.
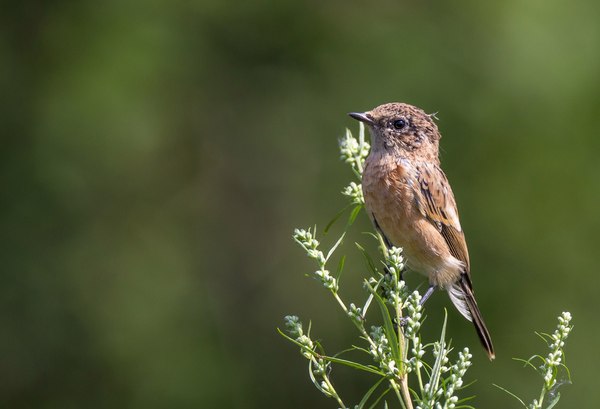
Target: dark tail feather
<point>476,318</point>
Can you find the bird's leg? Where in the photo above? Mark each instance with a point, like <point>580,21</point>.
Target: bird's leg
<point>425,297</point>
<point>427,294</point>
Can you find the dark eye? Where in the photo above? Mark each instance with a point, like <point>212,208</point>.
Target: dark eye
<point>399,123</point>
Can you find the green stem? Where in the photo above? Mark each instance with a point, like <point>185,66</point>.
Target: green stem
<point>398,394</point>
<point>333,391</point>
<point>360,327</point>
<point>339,300</point>
<point>402,392</point>
<point>401,340</point>
<point>418,365</point>
<point>402,344</point>
<point>542,395</point>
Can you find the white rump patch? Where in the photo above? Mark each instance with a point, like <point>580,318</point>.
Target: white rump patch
<point>458,299</point>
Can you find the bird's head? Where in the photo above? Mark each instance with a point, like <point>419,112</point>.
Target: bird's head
<point>401,128</point>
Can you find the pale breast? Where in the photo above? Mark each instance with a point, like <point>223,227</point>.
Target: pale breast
<point>389,189</point>
<point>389,197</point>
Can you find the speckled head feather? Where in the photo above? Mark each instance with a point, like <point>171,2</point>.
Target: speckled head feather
<point>417,118</point>
<point>402,127</point>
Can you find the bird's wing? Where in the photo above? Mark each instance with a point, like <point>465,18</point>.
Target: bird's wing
<point>436,202</point>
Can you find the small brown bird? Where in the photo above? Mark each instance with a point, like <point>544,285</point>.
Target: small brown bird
<point>410,202</point>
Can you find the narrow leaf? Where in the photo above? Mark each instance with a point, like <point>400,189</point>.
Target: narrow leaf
<point>352,364</point>
<point>511,394</point>
<point>353,216</point>
<point>368,259</point>
<point>336,218</point>
<point>437,366</point>
<point>340,266</point>
<point>527,362</point>
<point>365,398</point>
<point>380,397</point>
<point>335,246</point>
<point>388,325</point>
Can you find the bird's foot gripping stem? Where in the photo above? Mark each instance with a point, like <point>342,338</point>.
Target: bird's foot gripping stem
<point>425,297</point>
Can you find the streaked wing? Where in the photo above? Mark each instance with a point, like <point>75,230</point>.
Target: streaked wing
<point>436,202</point>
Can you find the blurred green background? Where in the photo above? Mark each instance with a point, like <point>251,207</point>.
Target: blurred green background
<point>156,156</point>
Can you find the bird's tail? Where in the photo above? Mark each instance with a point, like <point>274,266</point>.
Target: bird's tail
<point>461,295</point>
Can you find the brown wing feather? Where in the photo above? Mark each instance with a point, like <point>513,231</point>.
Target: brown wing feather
<point>437,204</point>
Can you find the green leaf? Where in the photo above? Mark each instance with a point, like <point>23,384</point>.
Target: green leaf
<point>527,362</point>
<point>336,218</point>
<point>468,398</point>
<point>292,340</point>
<point>332,359</point>
<point>465,386</point>
<point>380,397</point>
<point>353,216</point>
<point>356,348</point>
<point>335,246</point>
<point>388,326</point>
<point>382,246</point>
<point>460,402</point>
<point>340,267</point>
<point>373,235</point>
<point>352,364</point>
<point>511,394</point>
<point>370,298</point>
<point>314,380</point>
<point>370,392</point>
<point>544,336</point>
<point>437,366</point>
<point>368,259</point>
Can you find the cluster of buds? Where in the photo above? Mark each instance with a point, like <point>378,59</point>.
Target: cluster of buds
<point>354,151</point>
<point>442,396</point>
<point>382,353</point>
<point>413,325</point>
<point>355,313</point>
<point>455,380</point>
<point>309,242</point>
<point>432,391</point>
<point>294,328</point>
<point>554,358</point>
<point>319,366</point>
<point>394,288</point>
<point>307,239</point>
<point>355,193</point>
<point>415,315</point>
<point>328,281</point>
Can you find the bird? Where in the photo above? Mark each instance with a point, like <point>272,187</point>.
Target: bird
<point>410,202</point>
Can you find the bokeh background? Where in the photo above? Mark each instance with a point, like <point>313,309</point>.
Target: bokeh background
<point>156,156</point>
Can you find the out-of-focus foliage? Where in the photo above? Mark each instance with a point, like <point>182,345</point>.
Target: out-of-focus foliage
<point>156,156</point>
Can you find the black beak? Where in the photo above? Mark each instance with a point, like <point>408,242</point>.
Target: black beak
<point>362,117</point>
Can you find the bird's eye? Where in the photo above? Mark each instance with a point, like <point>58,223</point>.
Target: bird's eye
<point>399,123</point>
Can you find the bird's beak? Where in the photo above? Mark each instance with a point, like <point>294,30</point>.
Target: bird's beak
<point>362,117</point>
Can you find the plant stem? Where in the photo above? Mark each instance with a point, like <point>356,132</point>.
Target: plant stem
<point>398,394</point>
<point>360,327</point>
<point>418,365</point>
<point>339,300</point>
<point>402,393</point>
<point>542,395</point>
<point>335,395</point>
